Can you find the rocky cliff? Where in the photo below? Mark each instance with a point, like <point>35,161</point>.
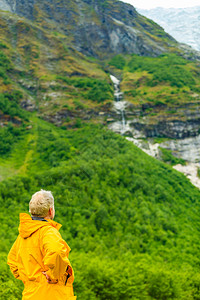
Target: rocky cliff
<point>182,122</point>
<point>166,134</point>
<point>96,27</point>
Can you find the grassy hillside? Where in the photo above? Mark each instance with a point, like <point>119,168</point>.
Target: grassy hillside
<point>53,78</point>
<point>159,86</point>
<point>67,88</point>
<point>132,222</point>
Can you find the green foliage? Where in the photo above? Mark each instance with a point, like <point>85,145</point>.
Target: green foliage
<point>8,288</point>
<point>100,92</point>
<point>51,149</point>
<point>168,157</point>
<point>4,61</point>
<point>132,93</point>
<point>15,119</point>
<point>8,137</point>
<point>78,123</point>
<point>3,46</point>
<point>78,104</point>
<point>5,65</point>
<point>9,105</point>
<point>118,61</point>
<point>176,75</point>
<point>90,88</point>
<point>131,221</point>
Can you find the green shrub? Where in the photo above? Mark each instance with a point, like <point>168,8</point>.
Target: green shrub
<point>9,104</point>
<point>166,68</point>
<point>168,157</point>
<point>9,135</point>
<point>93,89</point>
<point>132,221</point>
<point>118,61</point>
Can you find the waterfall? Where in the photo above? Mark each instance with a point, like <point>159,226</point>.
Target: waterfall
<point>117,93</point>
<point>188,148</point>
<point>119,104</point>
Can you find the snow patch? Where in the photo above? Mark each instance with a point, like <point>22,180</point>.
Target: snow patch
<point>5,6</point>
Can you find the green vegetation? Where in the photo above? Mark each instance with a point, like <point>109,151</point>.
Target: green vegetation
<point>8,137</point>
<point>168,157</point>
<point>5,65</point>
<point>167,80</point>
<point>47,72</point>
<point>118,61</point>
<point>176,75</point>
<point>9,104</point>
<point>14,122</point>
<point>90,88</point>
<point>132,222</point>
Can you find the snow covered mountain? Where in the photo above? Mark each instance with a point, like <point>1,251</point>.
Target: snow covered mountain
<point>182,23</point>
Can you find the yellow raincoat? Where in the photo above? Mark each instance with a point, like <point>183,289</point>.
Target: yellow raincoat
<point>40,248</point>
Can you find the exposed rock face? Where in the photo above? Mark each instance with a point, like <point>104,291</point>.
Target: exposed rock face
<point>96,27</point>
<point>191,171</point>
<point>135,121</point>
<point>187,149</point>
<point>28,104</point>
<point>169,128</point>
<point>182,124</point>
<point>5,119</point>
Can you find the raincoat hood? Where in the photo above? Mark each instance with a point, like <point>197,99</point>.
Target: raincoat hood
<point>28,226</point>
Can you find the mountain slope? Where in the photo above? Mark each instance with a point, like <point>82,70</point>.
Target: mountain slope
<point>120,209</point>
<point>60,83</point>
<point>132,222</point>
<point>95,27</point>
<point>162,101</point>
<point>55,80</point>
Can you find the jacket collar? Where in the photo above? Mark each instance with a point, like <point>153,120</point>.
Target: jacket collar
<point>38,219</point>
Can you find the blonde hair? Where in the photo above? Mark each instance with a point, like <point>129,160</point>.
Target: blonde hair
<point>40,203</point>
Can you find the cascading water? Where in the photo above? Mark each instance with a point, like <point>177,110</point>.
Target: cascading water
<point>183,147</point>
<point>117,93</point>
<point>119,104</point>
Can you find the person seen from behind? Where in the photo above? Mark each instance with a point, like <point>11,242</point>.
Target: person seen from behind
<point>39,256</point>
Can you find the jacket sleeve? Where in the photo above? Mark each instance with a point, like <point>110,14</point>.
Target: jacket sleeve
<point>55,254</point>
<point>12,261</point>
